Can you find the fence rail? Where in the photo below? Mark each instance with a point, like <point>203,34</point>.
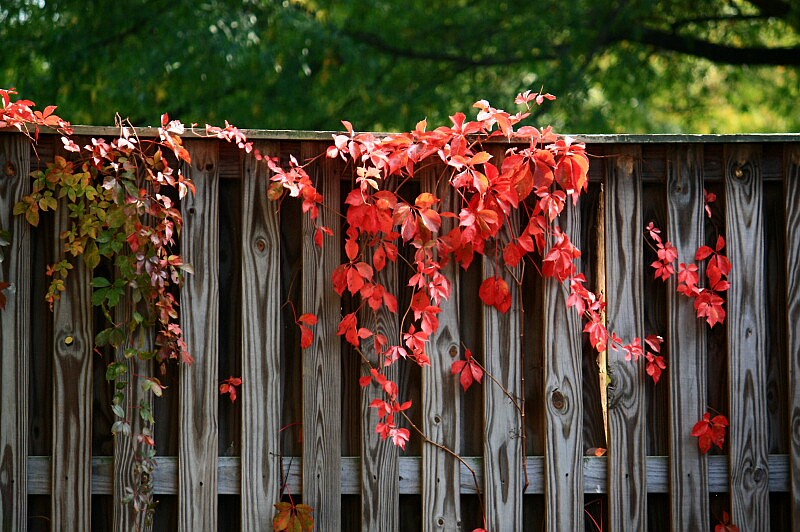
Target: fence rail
<point>303,426</point>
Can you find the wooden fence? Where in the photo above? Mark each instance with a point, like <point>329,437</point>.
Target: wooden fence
<point>303,426</point>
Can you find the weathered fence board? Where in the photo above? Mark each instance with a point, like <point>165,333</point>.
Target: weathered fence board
<point>198,383</point>
<point>503,477</point>
<point>15,329</point>
<point>748,438</point>
<point>322,361</point>
<point>380,484</point>
<point>626,398</point>
<point>563,403</point>
<point>441,504</point>
<point>792,188</point>
<point>261,346</point>
<point>125,446</point>
<point>686,342</point>
<point>72,396</point>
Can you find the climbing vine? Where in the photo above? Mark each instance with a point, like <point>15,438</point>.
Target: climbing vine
<point>121,199</point>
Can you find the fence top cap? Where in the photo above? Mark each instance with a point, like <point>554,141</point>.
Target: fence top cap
<point>616,138</point>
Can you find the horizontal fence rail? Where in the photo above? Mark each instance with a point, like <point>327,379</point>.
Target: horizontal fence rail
<point>410,475</point>
<point>302,426</point>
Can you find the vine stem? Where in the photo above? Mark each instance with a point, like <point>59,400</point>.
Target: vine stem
<point>429,441</point>
<point>449,451</point>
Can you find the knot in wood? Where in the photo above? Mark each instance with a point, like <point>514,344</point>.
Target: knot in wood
<point>759,475</point>
<point>453,351</point>
<point>261,245</point>
<point>559,401</point>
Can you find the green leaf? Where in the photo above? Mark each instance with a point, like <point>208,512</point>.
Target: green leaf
<point>102,338</point>
<point>98,296</point>
<point>117,337</point>
<point>100,282</point>
<point>118,411</point>
<point>115,369</point>
<point>120,427</point>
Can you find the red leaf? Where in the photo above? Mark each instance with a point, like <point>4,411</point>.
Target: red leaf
<point>306,337</point>
<point>469,370</point>
<point>3,286</point>
<point>229,386</point>
<point>703,253</point>
<point>513,254</point>
<point>710,431</point>
<point>351,248</point>
<point>308,319</point>
<point>495,292</point>
<point>596,451</point>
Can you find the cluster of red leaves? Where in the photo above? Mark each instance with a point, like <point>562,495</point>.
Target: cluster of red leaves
<point>20,114</point>
<point>708,300</point>
<point>388,408</point>
<point>538,177</point>
<point>725,524</point>
<point>710,431</point>
<point>229,386</point>
<point>293,517</point>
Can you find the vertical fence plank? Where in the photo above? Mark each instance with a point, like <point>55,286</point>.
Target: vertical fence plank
<point>261,346</point>
<point>792,189</point>
<point>503,450</point>
<point>72,396</point>
<point>441,400</point>
<point>563,352</point>
<point>686,341</point>
<point>748,439</point>
<point>15,324</point>
<point>198,447</point>
<point>125,516</point>
<point>380,479</point>
<point>322,361</point>
<point>626,394</point>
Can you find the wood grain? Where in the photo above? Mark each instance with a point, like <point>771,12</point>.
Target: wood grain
<point>792,189</point>
<point>626,393</point>
<point>563,406</point>
<point>322,384</point>
<point>15,329</point>
<point>686,340</point>
<point>261,346</point>
<point>198,448</point>
<point>72,397</point>
<point>748,437</point>
<point>503,476</point>
<point>441,395</point>
<point>125,516</point>
<point>379,458</point>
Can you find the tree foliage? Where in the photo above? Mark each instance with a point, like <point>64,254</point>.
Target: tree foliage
<point>640,66</point>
